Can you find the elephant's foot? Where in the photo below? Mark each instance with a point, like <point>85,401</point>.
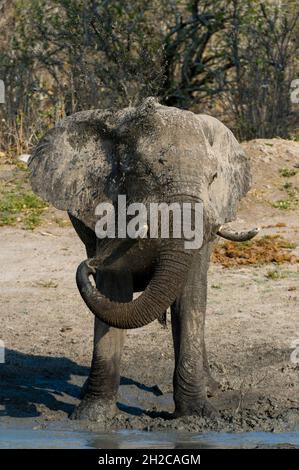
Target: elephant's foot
<point>200,407</point>
<point>84,389</point>
<point>93,408</point>
<point>213,387</point>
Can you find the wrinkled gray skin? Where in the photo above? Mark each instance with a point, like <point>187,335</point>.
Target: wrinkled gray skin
<point>152,153</point>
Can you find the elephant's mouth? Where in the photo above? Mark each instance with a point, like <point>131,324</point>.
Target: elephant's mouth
<point>170,273</point>
<point>169,276</point>
<point>111,252</point>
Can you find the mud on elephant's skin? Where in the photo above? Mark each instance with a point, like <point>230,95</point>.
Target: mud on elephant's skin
<point>151,153</point>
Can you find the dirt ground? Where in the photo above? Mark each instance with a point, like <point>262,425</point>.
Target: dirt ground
<point>252,324</point>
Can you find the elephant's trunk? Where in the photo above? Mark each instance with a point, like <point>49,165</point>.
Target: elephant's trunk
<point>165,285</point>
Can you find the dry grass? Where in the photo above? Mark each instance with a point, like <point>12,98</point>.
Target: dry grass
<point>19,206</point>
<point>263,250</point>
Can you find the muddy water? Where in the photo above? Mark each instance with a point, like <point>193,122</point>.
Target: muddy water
<point>57,437</point>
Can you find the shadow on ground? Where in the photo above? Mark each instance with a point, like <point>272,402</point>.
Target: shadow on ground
<point>33,385</point>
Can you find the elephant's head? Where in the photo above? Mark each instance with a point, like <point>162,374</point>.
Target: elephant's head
<point>152,153</point>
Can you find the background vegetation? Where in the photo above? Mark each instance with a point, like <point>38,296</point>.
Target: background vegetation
<point>234,59</point>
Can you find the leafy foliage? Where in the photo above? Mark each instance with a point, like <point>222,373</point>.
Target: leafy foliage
<point>262,42</point>
<point>235,58</point>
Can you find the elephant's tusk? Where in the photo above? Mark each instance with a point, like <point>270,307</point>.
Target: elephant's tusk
<point>237,236</point>
<point>142,232</point>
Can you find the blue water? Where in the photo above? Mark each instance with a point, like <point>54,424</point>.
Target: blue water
<point>21,437</point>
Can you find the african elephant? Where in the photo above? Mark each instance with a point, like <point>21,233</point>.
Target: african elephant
<point>151,153</point>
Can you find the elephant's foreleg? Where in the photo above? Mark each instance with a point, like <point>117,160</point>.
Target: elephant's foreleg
<point>213,387</point>
<point>101,388</point>
<point>188,317</point>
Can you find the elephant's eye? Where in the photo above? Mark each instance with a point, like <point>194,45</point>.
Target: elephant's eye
<point>214,177</point>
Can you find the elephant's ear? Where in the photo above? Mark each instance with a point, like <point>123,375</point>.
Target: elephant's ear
<point>70,166</point>
<point>232,178</point>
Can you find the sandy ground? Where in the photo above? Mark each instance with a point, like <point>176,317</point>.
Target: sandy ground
<point>252,323</point>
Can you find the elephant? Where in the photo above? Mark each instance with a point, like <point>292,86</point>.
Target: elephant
<point>152,154</point>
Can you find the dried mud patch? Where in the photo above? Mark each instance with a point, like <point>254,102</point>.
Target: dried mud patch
<point>263,250</point>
